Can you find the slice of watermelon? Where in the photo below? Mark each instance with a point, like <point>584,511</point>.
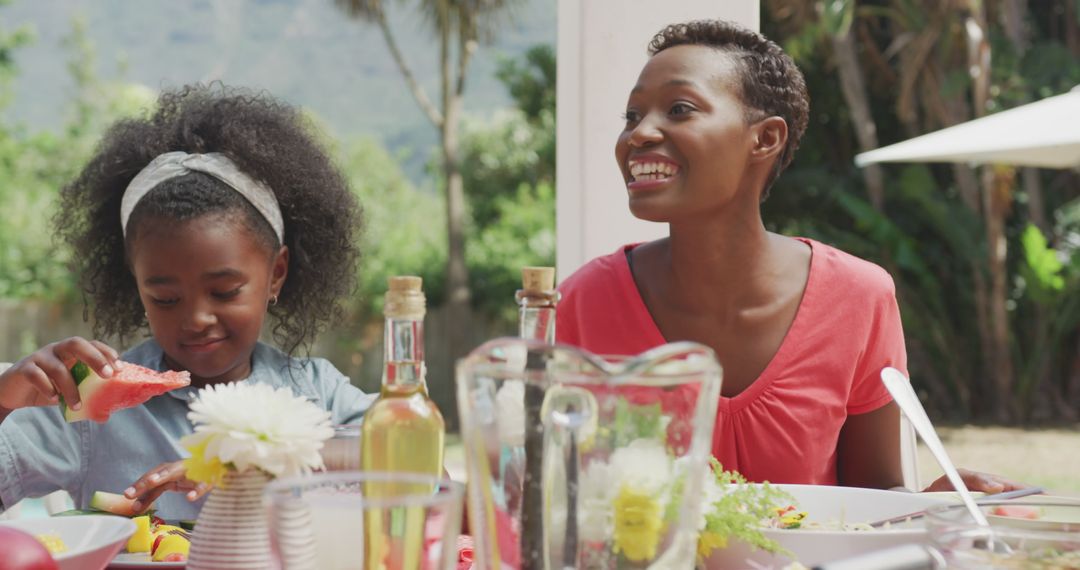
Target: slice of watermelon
<point>113,503</point>
<point>129,386</point>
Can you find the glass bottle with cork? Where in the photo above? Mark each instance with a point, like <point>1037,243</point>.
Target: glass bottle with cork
<point>403,431</point>
<point>536,321</point>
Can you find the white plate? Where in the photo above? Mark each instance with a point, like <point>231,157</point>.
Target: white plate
<point>823,503</point>
<point>141,560</point>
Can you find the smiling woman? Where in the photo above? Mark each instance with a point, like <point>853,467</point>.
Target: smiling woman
<point>802,329</point>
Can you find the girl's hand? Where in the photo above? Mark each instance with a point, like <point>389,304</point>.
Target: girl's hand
<point>164,477</point>
<point>976,481</point>
<point>39,379</point>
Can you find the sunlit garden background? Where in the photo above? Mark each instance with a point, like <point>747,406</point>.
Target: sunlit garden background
<point>993,332</point>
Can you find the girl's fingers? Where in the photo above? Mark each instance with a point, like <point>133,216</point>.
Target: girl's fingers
<point>77,348</point>
<point>61,379</point>
<point>143,502</point>
<point>41,382</point>
<point>166,473</point>
<point>110,353</point>
<point>198,492</point>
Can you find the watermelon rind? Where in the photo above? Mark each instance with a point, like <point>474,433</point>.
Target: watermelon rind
<point>80,371</point>
<point>88,382</point>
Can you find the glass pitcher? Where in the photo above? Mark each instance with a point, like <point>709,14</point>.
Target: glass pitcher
<point>581,461</point>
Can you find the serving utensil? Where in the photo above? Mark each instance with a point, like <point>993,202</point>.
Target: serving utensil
<point>1017,493</point>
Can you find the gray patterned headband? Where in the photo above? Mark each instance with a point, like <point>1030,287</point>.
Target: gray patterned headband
<point>173,164</point>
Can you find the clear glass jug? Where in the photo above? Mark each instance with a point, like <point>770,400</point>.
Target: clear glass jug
<point>581,461</point>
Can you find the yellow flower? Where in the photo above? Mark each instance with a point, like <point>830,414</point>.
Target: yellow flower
<point>638,523</point>
<point>709,541</point>
<point>202,470</point>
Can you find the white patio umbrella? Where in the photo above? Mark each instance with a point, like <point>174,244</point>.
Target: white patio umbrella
<point>1044,134</point>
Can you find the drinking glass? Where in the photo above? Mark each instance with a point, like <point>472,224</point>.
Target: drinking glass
<point>348,521</point>
<point>1036,533</point>
<point>342,451</point>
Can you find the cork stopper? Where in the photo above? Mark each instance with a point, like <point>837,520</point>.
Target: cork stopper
<point>537,287</point>
<point>405,298</point>
<point>537,279</point>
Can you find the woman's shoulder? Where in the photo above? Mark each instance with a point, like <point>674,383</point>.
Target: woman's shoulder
<point>845,272</point>
<point>599,274</point>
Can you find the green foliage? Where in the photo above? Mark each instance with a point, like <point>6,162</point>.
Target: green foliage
<point>33,167</point>
<point>931,240</point>
<point>741,510</point>
<point>531,82</point>
<point>509,173</point>
<point>403,227</point>
<point>522,235</point>
<point>1042,268</point>
<point>636,421</point>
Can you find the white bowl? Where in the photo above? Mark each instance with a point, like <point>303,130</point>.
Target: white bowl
<point>824,504</point>
<point>92,540</point>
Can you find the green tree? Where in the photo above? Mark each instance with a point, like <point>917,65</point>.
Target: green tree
<point>459,26</point>
<point>33,166</point>
<point>509,169</point>
<point>980,321</point>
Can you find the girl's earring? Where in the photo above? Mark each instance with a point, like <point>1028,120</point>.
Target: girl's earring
<point>273,300</point>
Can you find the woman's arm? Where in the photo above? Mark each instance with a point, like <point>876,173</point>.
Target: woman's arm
<point>868,450</point>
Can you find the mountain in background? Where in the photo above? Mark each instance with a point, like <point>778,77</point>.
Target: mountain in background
<point>304,51</point>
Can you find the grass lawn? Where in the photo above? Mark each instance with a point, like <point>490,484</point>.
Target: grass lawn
<point>1046,457</point>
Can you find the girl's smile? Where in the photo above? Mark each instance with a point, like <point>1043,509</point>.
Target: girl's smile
<point>205,284</point>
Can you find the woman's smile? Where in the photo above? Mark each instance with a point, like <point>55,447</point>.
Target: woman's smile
<point>650,172</point>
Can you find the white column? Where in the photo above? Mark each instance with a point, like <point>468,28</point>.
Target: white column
<point>602,47</point>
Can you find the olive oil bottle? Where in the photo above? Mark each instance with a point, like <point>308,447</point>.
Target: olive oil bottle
<point>402,433</point>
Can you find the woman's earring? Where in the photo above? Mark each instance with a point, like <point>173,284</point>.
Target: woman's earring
<point>273,300</point>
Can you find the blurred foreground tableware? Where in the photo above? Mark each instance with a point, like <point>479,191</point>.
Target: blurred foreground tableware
<point>581,461</point>
<point>906,557</point>
<point>329,521</point>
<point>91,541</point>
<point>342,451</point>
<point>1040,534</point>
<point>979,499</point>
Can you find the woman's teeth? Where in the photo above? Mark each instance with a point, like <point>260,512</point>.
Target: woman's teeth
<point>652,170</point>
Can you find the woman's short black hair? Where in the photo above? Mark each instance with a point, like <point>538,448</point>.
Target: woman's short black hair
<point>270,141</point>
<point>769,80</point>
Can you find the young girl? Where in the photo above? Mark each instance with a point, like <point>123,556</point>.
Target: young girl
<point>194,223</point>
<point>801,329</point>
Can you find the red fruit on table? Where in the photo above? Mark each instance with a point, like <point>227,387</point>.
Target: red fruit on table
<point>21,551</point>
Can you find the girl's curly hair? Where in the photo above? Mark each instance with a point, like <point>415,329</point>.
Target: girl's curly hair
<point>768,79</point>
<point>267,139</point>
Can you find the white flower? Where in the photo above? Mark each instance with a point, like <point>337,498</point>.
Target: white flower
<point>596,494</point>
<point>510,413</point>
<point>644,465</point>
<point>254,425</point>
